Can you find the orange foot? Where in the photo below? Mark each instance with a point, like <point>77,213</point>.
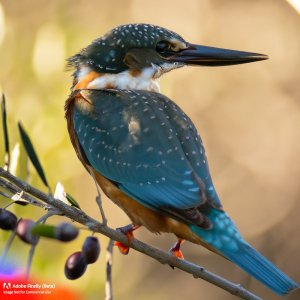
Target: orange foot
<point>123,248</point>
<point>175,250</point>
<point>128,231</point>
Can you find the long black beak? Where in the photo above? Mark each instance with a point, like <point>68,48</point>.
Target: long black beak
<point>210,56</point>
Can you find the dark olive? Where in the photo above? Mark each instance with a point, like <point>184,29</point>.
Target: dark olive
<point>8,220</point>
<point>75,266</point>
<point>66,232</point>
<point>91,249</point>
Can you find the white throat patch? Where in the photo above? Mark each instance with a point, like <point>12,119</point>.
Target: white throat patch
<point>127,80</point>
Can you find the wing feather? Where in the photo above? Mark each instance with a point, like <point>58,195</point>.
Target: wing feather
<point>147,146</point>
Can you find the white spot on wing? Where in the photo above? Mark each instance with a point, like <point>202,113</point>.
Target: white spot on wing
<point>134,129</point>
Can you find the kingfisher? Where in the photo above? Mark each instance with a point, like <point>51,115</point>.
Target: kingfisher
<point>144,152</point>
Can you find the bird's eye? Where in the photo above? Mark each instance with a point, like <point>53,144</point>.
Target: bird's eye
<point>163,46</point>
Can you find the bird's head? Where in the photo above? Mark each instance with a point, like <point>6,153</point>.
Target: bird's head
<point>145,52</point>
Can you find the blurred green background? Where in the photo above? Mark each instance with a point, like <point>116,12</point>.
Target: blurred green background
<point>248,117</point>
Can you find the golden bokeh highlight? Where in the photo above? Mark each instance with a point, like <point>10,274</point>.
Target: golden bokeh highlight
<point>49,52</point>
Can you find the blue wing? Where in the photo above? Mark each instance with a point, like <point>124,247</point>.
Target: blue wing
<point>147,146</point>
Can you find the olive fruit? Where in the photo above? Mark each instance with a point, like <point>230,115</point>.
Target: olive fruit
<point>91,249</point>
<point>8,220</point>
<point>66,232</point>
<point>75,266</point>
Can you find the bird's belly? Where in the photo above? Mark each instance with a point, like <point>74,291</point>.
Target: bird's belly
<point>142,215</point>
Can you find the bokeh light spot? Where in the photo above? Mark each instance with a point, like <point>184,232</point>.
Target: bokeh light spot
<point>2,24</point>
<point>49,51</point>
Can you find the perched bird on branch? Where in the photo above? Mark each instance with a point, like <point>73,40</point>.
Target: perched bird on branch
<point>145,152</point>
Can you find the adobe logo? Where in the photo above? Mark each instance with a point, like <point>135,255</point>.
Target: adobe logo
<point>6,285</point>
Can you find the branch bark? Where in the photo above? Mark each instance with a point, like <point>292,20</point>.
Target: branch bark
<point>13,184</point>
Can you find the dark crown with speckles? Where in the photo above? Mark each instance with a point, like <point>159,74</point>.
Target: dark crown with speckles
<point>106,54</point>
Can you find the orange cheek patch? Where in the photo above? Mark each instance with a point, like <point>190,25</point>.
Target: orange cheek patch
<point>83,83</point>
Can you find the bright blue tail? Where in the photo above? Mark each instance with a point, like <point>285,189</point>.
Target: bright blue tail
<point>226,239</point>
<point>263,270</point>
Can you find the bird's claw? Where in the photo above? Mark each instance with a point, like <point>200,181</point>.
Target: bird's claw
<point>128,232</point>
<point>122,247</point>
<point>175,251</point>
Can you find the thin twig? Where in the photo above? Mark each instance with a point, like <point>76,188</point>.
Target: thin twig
<point>42,219</point>
<point>108,283</point>
<point>159,255</point>
<point>99,200</point>
<point>17,198</point>
<point>7,246</point>
<point>99,203</point>
<point>12,189</point>
<point>5,195</point>
<point>47,215</point>
<point>30,257</point>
